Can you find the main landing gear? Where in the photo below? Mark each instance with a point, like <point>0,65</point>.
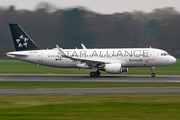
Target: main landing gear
<point>95,74</point>
<point>152,71</point>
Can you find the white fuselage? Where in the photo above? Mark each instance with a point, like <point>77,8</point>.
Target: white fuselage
<point>129,57</point>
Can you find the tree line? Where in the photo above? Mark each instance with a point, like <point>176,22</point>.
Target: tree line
<point>68,28</point>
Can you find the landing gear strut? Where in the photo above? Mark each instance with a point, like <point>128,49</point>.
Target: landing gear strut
<point>152,71</point>
<point>95,74</point>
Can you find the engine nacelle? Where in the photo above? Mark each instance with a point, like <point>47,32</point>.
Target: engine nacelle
<point>114,68</point>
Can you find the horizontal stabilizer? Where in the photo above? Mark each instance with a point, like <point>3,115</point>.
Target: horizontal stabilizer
<point>17,54</point>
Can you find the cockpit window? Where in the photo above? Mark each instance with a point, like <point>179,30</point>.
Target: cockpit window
<point>164,54</point>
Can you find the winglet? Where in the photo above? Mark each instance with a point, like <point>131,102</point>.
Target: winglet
<point>84,47</point>
<point>61,52</point>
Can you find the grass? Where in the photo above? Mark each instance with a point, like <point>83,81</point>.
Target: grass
<point>86,107</point>
<point>20,67</point>
<point>90,107</point>
<point>37,85</point>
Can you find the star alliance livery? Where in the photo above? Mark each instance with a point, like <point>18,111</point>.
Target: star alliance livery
<point>114,61</point>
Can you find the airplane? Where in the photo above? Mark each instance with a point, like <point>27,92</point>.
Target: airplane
<point>114,60</point>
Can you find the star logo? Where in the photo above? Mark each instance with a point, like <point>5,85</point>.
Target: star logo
<point>22,41</point>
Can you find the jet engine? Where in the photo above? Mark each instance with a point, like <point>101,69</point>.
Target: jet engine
<point>114,68</point>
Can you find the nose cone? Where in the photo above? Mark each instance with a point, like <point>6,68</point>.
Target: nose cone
<point>172,60</point>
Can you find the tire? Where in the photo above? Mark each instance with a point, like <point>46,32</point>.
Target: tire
<point>92,74</point>
<point>97,73</point>
<point>153,74</point>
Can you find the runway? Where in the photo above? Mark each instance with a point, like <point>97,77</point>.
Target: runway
<point>86,78</point>
<point>94,91</point>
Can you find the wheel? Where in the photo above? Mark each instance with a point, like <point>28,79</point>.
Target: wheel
<point>153,74</point>
<point>92,74</point>
<point>97,73</point>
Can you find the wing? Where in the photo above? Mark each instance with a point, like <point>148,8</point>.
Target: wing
<point>91,62</point>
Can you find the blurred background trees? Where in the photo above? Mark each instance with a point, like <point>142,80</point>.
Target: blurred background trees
<point>68,28</point>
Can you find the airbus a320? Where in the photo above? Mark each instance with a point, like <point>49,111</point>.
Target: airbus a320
<point>114,60</point>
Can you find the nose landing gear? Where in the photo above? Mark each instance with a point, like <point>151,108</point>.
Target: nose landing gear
<point>152,71</point>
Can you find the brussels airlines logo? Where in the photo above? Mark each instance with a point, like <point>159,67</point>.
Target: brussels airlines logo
<point>22,41</point>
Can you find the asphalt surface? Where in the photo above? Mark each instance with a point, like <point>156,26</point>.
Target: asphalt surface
<point>94,91</point>
<point>86,78</point>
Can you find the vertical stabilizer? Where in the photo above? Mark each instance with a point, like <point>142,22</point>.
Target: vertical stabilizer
<point>21,40</point>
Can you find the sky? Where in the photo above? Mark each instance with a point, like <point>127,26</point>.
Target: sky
<point>99,6</point>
